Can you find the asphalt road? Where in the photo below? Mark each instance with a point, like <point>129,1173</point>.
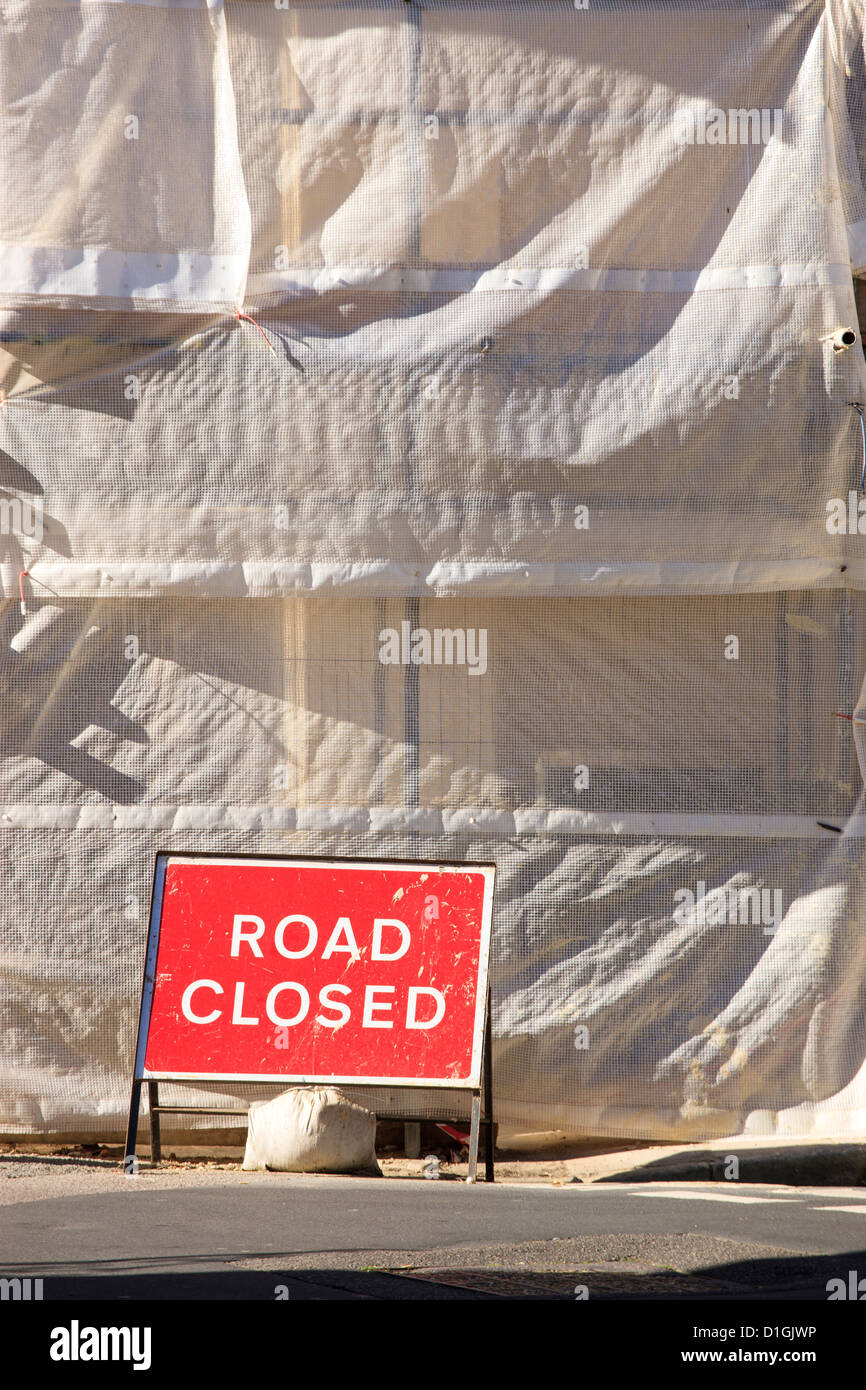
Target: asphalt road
<point>96,1234</point>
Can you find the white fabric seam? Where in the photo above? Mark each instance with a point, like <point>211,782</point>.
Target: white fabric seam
<point>421,821</point>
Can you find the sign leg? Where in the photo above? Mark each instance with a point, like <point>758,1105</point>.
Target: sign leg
<point>473,1137</point>
<point>153,1103</point>
<point>489,1129</point>
<point>129,1161</point>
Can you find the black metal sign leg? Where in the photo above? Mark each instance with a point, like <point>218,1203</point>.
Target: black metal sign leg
<point>489,1129</point>
<point>129,1159</point>
<point>153,1106</point>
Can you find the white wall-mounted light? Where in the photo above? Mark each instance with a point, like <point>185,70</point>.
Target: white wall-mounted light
<point>841,339</point>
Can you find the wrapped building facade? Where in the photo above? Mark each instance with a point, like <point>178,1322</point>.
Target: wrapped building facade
<point>423,434</point>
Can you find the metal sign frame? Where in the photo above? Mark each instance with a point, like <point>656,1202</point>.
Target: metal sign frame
<point>479,1083</point>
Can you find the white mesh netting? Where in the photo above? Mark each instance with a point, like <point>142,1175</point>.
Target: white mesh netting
<point>328,327</point>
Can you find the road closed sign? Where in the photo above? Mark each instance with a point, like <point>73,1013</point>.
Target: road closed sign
<point>269,969</point>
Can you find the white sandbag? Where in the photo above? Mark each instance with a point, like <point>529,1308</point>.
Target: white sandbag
<point>311,1129</point>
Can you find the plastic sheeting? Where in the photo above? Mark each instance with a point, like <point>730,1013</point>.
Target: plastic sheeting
<point>340,340</point>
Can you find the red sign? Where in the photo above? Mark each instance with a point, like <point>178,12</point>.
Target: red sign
<point>310,970</point>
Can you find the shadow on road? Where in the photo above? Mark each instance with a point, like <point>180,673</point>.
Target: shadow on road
<point>789,1278</point>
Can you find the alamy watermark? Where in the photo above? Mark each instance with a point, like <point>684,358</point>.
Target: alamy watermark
<point>729,906</point>
<point>21,1290</point>
<point>22,518</point>
<point>442,647</point>
<point>710,125</point>
<point>854,1290</point>
<point>846,519</point>
<point>77,1343</point>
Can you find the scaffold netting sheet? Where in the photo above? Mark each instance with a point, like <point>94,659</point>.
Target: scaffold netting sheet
<point>437,432</point>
